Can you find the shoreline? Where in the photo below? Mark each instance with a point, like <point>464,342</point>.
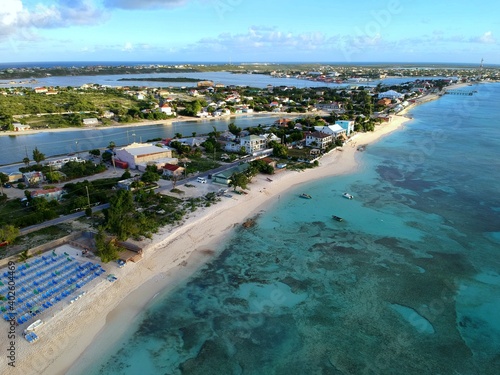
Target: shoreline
<point>68,340</point>
<point>169,121</point>
<point>167,263</point>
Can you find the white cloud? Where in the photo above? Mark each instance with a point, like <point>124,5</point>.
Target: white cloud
<point>9,12</point>
<point>266,39</point>
<point>486,38</point>
<point>18,21</point>
<point>128,47</point>
<point>143,4</point>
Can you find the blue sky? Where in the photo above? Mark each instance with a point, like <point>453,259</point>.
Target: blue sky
<point>250,31</point>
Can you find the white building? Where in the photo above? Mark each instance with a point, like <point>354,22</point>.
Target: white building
<point>391,94</point>
<point>165,108</point>
<point>253,143</point>
<point>335,130</point>
<point>319,140</point>
<point>90,121</point>
<point>348,125</point>
<point>141,153</point>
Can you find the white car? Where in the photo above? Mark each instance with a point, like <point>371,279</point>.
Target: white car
<point>201,180</point>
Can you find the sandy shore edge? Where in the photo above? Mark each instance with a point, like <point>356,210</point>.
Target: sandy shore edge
<point>74,335</point>
<point>175,255</point>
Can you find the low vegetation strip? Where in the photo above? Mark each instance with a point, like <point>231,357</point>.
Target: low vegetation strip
<point>163,79</point>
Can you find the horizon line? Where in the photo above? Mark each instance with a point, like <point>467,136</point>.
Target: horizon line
<point>199,62</point>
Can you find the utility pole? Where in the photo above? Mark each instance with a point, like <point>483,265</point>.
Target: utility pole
<point>113,161</point>
<point>88,197</point>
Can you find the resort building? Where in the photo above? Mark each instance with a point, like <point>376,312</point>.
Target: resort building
<point>142,153</point>
<point>319,140</point>
<point>335,130</point>
<point>348,125</point>
<point>253,143</point>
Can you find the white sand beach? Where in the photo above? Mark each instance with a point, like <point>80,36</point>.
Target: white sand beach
<point>90,325</point>
<point>84,329</point>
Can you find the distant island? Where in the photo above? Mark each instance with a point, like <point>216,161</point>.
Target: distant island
<point>333,72</point>
<point>163,79</point>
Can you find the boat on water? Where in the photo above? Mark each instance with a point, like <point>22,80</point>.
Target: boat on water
<point>305,196</point>
<point>338,218</point>
<point>347,195</point>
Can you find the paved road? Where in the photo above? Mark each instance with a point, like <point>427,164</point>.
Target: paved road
<point>60,220</point>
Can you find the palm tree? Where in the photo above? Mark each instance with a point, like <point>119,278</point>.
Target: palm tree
<point>38,156</point>
<point>26,161</point>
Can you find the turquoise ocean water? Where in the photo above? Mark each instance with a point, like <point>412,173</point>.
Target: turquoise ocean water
<point>409,283</point>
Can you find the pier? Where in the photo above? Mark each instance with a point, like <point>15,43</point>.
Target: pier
<point>460,92</point>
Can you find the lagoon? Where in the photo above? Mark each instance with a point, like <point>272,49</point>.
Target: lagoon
<point>16,147</point>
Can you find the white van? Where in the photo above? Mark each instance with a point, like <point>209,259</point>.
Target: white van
<point>201,180</point>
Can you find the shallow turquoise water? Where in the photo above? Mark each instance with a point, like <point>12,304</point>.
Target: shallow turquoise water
<point>409,283</point>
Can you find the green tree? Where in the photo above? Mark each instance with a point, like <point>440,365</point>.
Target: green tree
<point>26,161</point>
<point>126,175</point>
<point>106,248</point>
<point>234,129</point>
<point>106,156</point>
<point>215,133</point>
<point>53,176</point>
<point>150,175</point>
<point>279,150</point>
<point>3,179</point>
<point>8,233</point>
<point>239,180</point>
<point>38,156</point>
<point>120,216</point>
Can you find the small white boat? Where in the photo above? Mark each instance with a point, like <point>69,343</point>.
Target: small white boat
<point>347,195</point>
<point>34,325</point>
